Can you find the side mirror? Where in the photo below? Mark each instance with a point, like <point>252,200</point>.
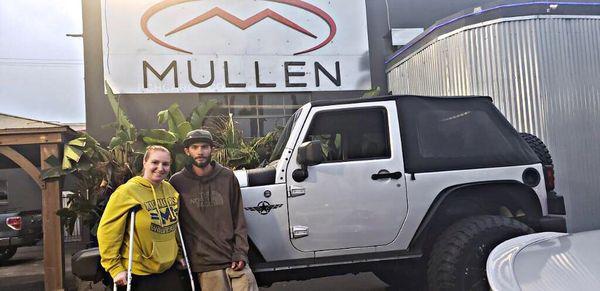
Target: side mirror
<point>310,153</point>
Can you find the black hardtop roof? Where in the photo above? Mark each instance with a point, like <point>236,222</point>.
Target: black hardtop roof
<point>390,97</point>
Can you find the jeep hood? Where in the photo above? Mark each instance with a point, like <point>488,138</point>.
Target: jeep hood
<point>242,177</point>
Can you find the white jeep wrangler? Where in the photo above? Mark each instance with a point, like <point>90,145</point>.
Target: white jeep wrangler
<point>416,189</point>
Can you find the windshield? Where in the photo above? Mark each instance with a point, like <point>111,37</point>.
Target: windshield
<point>285,135</point>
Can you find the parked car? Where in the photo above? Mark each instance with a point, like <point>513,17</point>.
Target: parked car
<point>18,229</point>
<point>546,261</point>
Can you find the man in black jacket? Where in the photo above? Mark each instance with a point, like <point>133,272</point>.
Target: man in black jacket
<point>212,218</point>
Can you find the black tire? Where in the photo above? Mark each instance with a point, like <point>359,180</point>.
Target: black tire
<point>538,146</point>
<point>457,261</point>
<point>6,253</point>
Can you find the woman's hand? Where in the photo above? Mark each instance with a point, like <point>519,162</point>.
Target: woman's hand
<point>121,278</point>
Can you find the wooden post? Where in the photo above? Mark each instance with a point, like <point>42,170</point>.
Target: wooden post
<point>53,239</point>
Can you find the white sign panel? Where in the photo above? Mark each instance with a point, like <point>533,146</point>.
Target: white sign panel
<point>180,46</point>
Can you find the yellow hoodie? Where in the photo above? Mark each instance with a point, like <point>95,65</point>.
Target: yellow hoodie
<point>155,236</point>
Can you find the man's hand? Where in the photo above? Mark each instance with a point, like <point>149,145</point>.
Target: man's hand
<point>121,278</point>
<point>238,266</point>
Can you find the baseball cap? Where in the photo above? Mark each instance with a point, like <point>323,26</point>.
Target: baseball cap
<point>198,135</point>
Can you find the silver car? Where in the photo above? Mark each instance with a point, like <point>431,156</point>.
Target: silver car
<point>546,261</point>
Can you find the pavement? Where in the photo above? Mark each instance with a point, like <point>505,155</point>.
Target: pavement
<point>24,272</point>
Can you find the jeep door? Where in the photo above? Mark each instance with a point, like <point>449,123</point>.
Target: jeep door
<point>357,196</point>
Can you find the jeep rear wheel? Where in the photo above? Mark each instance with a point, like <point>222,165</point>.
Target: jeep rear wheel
<point>458,259</point>
<point>7,253</point>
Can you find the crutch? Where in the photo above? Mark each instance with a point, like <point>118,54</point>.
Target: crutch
<point>131,229</point>
<point>187,262</point>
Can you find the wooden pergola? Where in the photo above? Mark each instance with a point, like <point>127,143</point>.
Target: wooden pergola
<point>47,138</point>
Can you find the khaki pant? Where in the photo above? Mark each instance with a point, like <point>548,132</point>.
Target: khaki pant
<point>228,280</point>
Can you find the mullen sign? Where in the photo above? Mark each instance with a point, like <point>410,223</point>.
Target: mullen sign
<point>288,75</point>
<point>229,46</point>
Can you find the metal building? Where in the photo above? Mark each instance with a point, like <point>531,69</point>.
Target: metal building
<point>540,62</point>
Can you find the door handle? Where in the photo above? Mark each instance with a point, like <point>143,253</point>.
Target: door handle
<point>296,191</point>
<point>299,231</point>
<point>394,175</point>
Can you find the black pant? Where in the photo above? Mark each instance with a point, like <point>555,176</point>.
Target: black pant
<point>168,280</point>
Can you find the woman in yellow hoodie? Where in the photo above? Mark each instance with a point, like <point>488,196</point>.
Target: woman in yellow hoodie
<point>155,247</point>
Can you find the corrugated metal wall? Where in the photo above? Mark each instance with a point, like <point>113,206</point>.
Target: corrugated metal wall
<point>544,75</point>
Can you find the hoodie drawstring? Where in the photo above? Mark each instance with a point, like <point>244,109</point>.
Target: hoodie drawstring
<point>171,212</point>
<point>157,207</point>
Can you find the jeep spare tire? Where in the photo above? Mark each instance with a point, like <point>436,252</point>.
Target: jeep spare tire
<point>538,146</point>
<point>458,258</point>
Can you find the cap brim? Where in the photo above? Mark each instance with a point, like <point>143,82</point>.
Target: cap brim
<point>191,141</point>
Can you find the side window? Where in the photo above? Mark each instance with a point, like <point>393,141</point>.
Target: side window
<point>353,134</point>
<point>464,134</point>
<point>3,192</point>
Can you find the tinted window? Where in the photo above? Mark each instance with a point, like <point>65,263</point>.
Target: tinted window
<point>442,134</point>
<point>354,134</point>
<point>462,134</point>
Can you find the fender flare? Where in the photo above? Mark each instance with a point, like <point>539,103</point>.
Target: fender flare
<point>447,193</point>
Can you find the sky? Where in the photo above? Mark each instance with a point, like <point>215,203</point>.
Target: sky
<point>41,69</point>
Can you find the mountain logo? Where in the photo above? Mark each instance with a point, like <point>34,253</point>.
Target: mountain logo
<point>242,24</point>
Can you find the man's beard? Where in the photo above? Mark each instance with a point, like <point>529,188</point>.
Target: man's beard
<point>203,164</point>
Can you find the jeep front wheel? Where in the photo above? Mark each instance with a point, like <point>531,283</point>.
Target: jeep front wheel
<point>458,258</point>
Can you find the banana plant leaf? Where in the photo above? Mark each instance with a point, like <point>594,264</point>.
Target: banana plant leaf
<point>200,112</point>
<point>122,120</point>
<point>183,129</point>
<point>175,120</point>
<point>71,153</point>
<point>372,93</point>
<point>138,147</point>
<point>55,169</point>
<point>181,160</point>
<point>79,141</point>
<point>158,136</point>
<point>120,139</point>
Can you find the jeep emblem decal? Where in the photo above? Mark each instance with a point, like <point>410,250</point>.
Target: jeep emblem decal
<point>263,207</point>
